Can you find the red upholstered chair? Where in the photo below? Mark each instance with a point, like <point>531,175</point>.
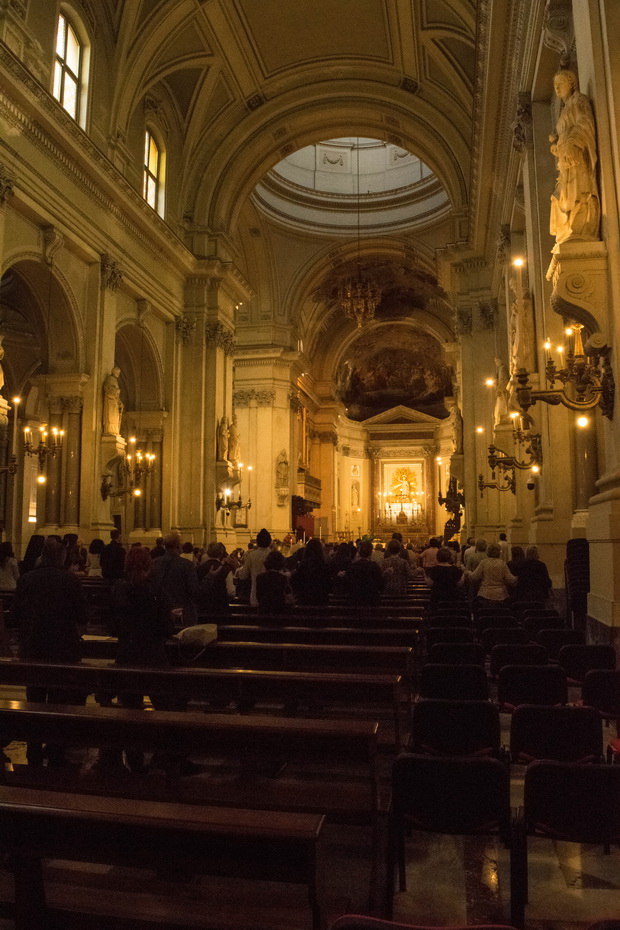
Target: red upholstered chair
<point>454,682</point>
<point>359,922</point>
<point>578,660</point>
<point>553,640</point>
<point>601,690</point>
<point>447,634</point>
<point>516,654</point>
<point>444,795</point>
<point>530,684</point>
<point>565,734</point>
<point>456,654</point>
<point>563,801</point>
<point>493,636</point>
<point>455,728</point>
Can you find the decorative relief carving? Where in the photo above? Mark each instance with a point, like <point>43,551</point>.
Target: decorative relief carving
<point>522,126</point>
<point>294,401</point>
<point>111,273</point>
<point>185,329</point>
<point>503,244</point>
<point>487,310</point>
<point>218,335</point>
<point>558,29</point>
<point>463,321</point>
<point>346,451</point>
<point>72,403</point>
<point>262,398</point>
<point>328,436</point>
<point>6,185</point>
<point>15,6</point>
<point>410,85</point>
<point>153,106</point>
<point>254,102</point>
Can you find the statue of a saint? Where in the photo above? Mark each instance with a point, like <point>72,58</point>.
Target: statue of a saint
<point>522,332</point>
<point>355,495</point>
<point>234,443</point>
<point>456,421</point>
<point>222,439</point>
<point>501,392</point>
<point>112,404</point>
<point>282,469</point>
<point>575,203</point>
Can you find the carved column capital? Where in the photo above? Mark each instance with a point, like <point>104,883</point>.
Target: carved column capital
<point>487,310</point>
<point>294,401</point>
<point>522,126</point>
<point>463,321</point>
<point>6,185</point>
<point>261,398</point>
<point>185,327</point>
<point>111,273</point>
<point>218,335</point>
<point>72,403</point>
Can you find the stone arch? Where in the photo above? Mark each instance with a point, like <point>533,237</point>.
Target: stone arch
<point>141,370</point>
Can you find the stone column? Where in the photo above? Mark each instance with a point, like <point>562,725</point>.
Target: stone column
<point>53,470</point>
<point>585,466</point>
<point>71,460</point>
<point>153,518</point>
<point>6,192</point>
<point>4,457</point>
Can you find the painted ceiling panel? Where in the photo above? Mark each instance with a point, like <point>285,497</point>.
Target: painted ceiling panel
<point>292,33</point>
<point>187,42</point>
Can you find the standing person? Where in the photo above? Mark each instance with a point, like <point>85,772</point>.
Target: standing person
<point>445,580</point>
<point>273,588</point>
<point>215,579</point>
<point>113,558</point>
<point>473,559</point>
<point>365,578</point>
<point>254,563</point>
<point>158,549</point>
<point>494,578</point>
<point>533,581</point>
<point>93,560</point>
<point>396,570</point>
<point>312,582</point>
<point>9,570</point>
<point>429,555</point>
<point>49,609</point>
<point>504,548</point>
<point>177,578</point>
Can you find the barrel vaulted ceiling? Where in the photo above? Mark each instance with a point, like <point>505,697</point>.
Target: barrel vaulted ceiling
<point>244,83</point>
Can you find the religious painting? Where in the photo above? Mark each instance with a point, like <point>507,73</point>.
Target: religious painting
<point>391,366</point>
<point>403,493</point>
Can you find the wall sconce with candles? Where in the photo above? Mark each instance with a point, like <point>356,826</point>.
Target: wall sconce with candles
<point>49,445</point>
<point>532,442</point>
<point>135,469</point>
<point>508,476</point>
<point>587,378</point>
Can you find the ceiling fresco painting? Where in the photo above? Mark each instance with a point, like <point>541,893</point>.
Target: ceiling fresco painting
<point>390,366</point>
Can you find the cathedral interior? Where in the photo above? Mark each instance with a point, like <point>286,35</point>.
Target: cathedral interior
<point>339,269</point>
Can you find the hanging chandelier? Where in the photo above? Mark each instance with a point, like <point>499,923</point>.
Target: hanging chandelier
<point>359,297</point>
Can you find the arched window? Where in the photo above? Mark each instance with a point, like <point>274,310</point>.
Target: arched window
<point>68,68</point>
<point>153,172</point>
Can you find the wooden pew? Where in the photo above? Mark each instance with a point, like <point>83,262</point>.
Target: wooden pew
<point>218,685</point>
<point>270,846</point>
<point>252,742</point>
<point>334,636</point>
<point>324,619</point>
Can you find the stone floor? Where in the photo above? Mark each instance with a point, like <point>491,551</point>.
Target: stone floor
<point>451,881</point>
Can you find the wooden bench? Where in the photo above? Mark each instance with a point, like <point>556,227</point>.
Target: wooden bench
<point>333,636</point>
<point>218,685</point>
<point>270,846</point>
<point>252,742</point>
<point>322,620</point>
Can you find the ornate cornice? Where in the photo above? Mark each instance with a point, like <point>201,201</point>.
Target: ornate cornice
<point>6,185</point>
<point>111,273</point>
<point>16,115</point>
<point>218,335</point>
<point>262,398</point>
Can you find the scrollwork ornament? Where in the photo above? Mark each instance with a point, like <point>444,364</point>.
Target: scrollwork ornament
<point>261,398</point>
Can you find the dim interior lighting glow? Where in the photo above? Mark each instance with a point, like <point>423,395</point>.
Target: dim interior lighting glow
<point>514,415</point>
<point>480,429</point>
<point>547,345</point>
<point>569,331</point>
<point>518,262</point>
<point>489,382</point>
<point>535,469</point>
<point>41,479</point>
<point>582,421</point>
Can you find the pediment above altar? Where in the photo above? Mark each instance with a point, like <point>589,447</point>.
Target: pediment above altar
<point>402,416</point>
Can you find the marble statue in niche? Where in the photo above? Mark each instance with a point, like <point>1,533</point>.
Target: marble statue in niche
<point>575,203</point>
<point>223,433</point>
<point>112,404</point>
<point>234,442</point>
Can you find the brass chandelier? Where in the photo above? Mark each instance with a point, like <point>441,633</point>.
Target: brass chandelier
<point>359,297</point>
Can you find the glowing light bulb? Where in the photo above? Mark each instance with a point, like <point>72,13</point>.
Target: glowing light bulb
<point>569,331</point>
<point>547,345</point>
<point>535,469</point>
<point>518,262</point>
<point>41,479</point>
<point>480,429</point>
<point>137,492</point>
<point>489,382</point>
<point>582,422</point>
